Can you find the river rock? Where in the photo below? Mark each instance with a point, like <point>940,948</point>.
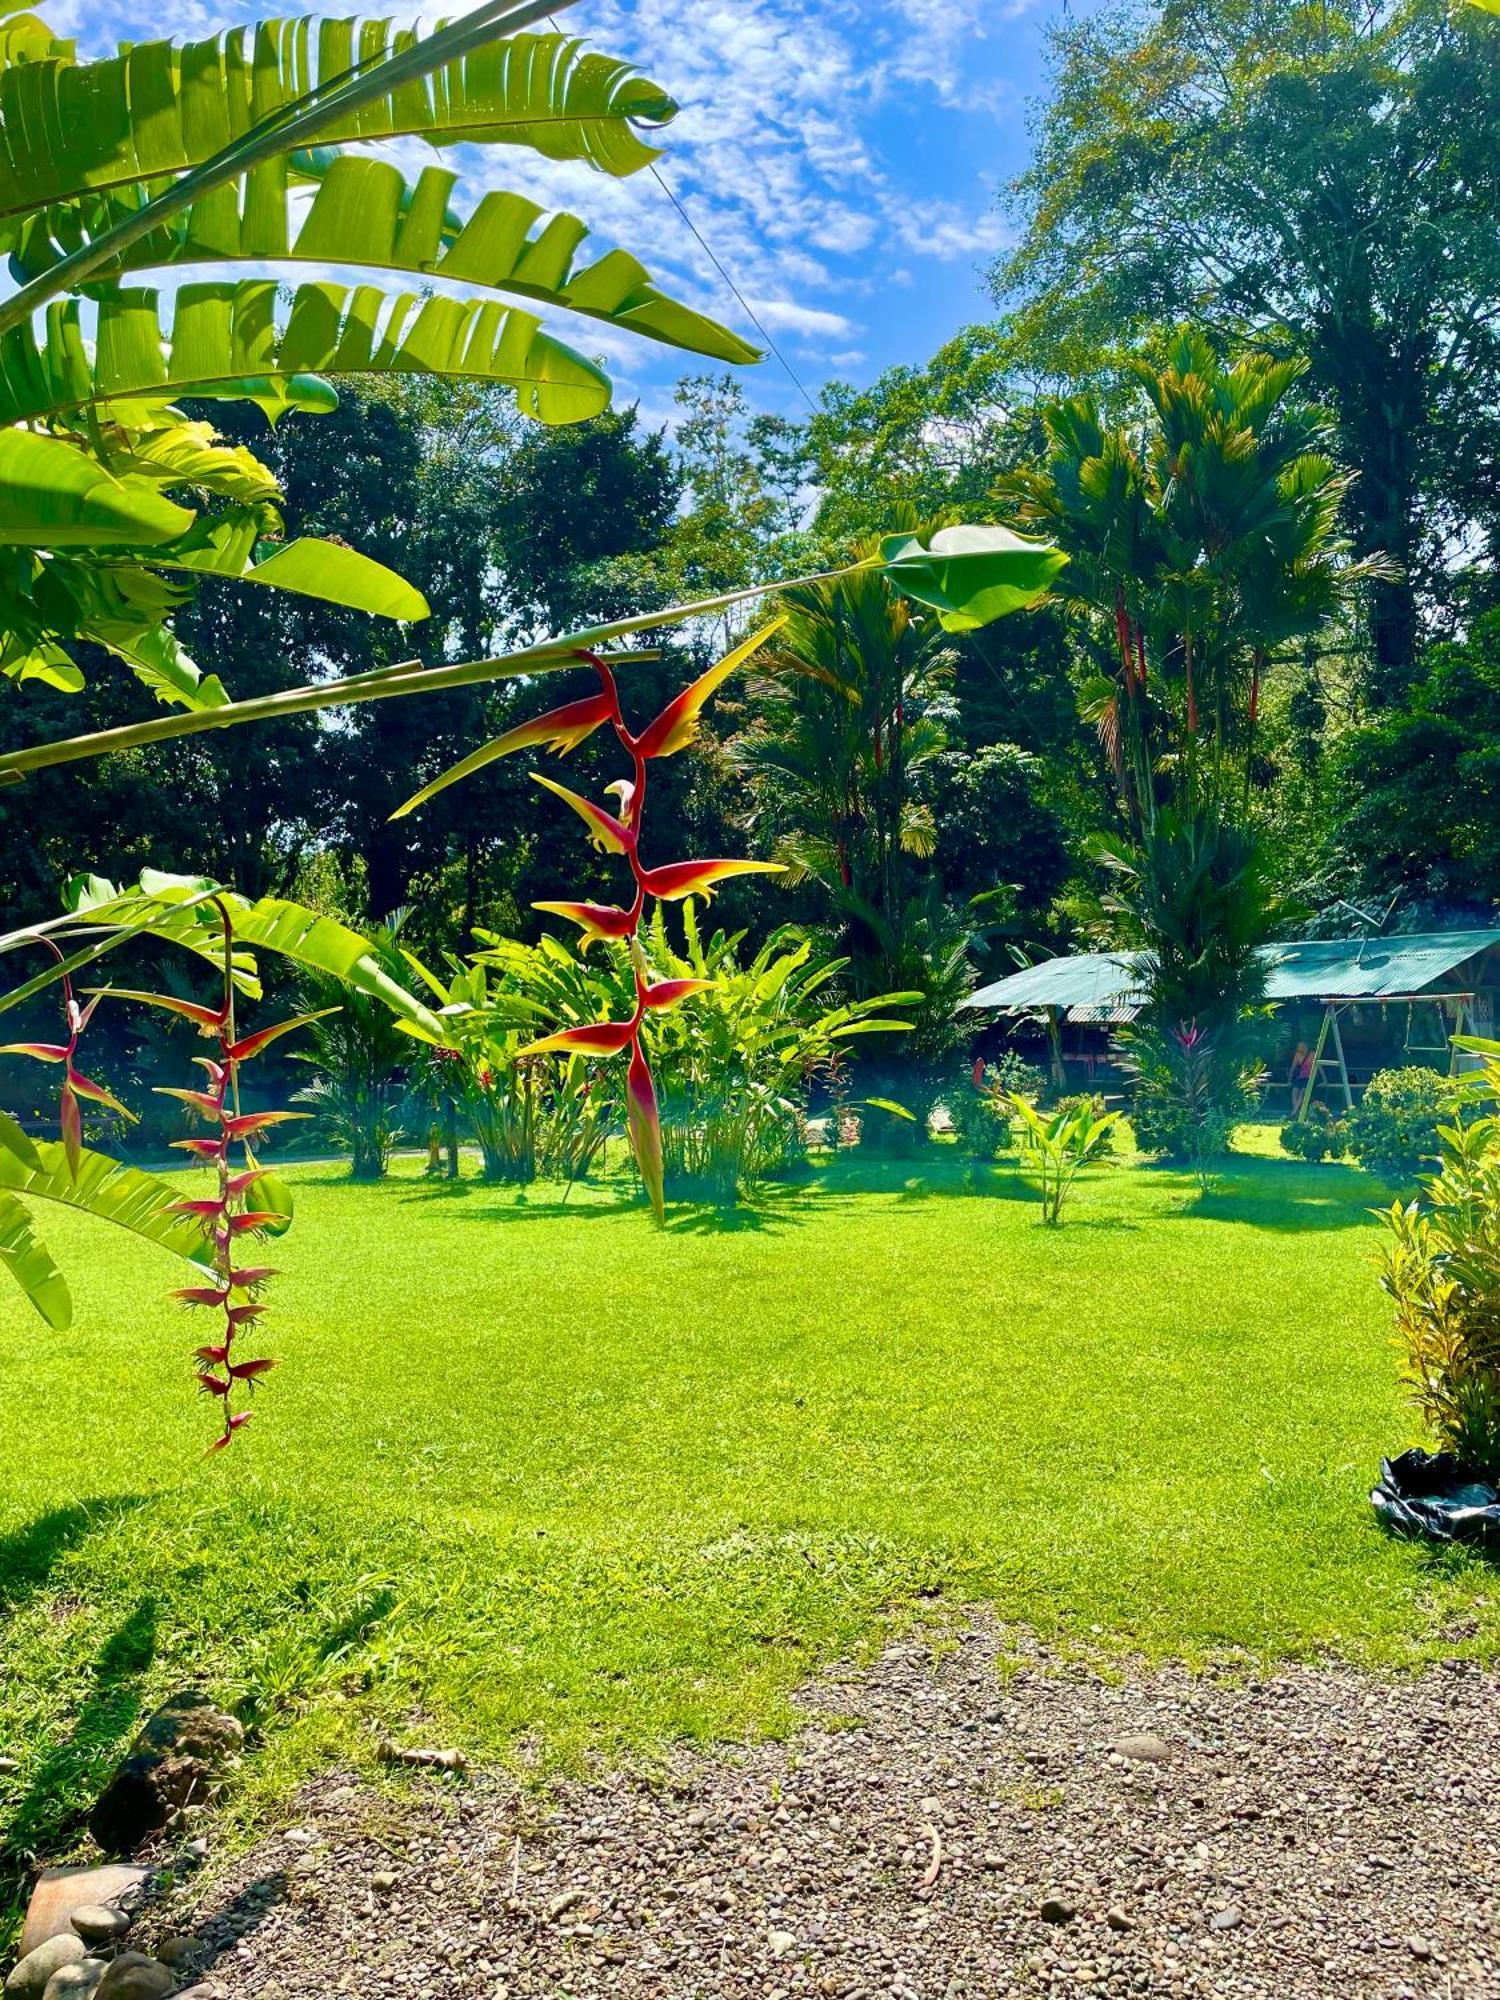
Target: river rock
<point>75,1982</point>
<point>28,1979</point>
<point>133,1976</point>
<point>100,1923</point>
<point>171,1765</point>
<point>60,1891</point>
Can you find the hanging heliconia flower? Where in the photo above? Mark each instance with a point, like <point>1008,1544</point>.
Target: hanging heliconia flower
<point>75,1084</point>
<point>619,833</point>
<point>241,1209</point>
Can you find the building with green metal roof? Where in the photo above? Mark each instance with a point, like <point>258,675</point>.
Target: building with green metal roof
<point>1440,984</point>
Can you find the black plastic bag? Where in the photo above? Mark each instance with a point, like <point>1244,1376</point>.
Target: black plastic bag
<point>1432,1495</point>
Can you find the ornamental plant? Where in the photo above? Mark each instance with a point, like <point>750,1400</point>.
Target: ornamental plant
<point>620,833</point>
<point>1441,1268</point>
<point>248,1201</point>
<point>1055,1146</point>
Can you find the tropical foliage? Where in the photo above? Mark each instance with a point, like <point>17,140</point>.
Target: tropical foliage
<point>1441,1266</point>
<point>1056,1145</point>
<point>201,158</point>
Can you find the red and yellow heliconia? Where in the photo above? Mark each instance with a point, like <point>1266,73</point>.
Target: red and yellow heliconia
<point>619,832</point>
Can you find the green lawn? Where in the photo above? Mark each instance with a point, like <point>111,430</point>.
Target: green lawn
<point>533,1470</point>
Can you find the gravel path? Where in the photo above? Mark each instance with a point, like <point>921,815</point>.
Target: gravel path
<point>940,1828</point>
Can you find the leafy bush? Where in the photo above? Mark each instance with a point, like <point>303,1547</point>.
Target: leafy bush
<point>1191,1088</point>
<point>1441,1266</point>
<point>738,1065</point>
<point>1320,1136</point>
<point>1393,1130</point>
<point>361,1057</point>
<point>1055,1145</point>
<point>979,1108</point>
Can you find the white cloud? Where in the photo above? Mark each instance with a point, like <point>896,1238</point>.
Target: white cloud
<point>786,153</point>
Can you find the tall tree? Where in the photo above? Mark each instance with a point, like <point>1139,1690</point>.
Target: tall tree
<point>1319,181</point>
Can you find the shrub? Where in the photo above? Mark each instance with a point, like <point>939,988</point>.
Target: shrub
<point>979,1109</point>
<point>1191,1088</point>
<point>1393,1130</point>
<point>1320,1136</point>
<point>1055,1145</point>
<point>1441,1266</point>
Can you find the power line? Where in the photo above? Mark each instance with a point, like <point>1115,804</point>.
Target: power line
<point>708,250</point>
<point>745,305</point>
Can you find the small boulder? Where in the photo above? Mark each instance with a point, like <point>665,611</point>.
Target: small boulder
<point>1056,1911</point>
<point>60,1891</point>
<point>133,1976</point>
<point>75,1982</point>
<point>100,1923</point>
<point>171,1765</point>
<point>1143,1749</point>
<point>28,1979</point>
<point>179,1951</point>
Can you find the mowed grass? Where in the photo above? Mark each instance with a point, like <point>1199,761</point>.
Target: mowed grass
<point>535,1477</point>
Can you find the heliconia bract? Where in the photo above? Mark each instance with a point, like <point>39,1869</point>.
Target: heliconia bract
<point>620,833</point>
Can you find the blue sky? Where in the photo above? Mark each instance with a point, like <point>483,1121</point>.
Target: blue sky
<point>841,156</point>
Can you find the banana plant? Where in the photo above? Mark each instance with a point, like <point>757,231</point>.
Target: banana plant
<point>226,152</point>
<point>228,931</point>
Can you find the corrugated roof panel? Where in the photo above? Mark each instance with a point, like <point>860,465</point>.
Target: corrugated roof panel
<point>1101,985</point>
<point>1090,979</point>
<point>1367,968</point>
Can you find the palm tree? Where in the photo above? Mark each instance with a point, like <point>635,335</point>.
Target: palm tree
<point>852,705</point>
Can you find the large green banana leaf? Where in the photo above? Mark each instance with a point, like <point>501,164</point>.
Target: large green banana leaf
<point>365,213</point>
<point>70,128</point>
<point>173,907</point>
<point>222,333</point>
<point>29,1262</point>
<point>54,495</point>
<point>102,1187</point>
<point>309,567</point>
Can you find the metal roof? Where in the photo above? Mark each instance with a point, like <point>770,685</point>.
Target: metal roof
<point>1369,968</point>
<point>1095,985</point>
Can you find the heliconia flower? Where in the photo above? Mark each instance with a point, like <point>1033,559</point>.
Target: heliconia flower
<point>96,1094</point>
<point>603,1038</point>
<point>209,1019</point>
<point>254,1219</point>
<point>250,1277</point>
<point>205,1149</point>
<point>213,1385</point>
<point>197,1100</point>
<point>667,992</point>
<point>203,1211</point>
<point>677,725</point>
<point>678,879</point>
<point>251,1122</point>
<point>51,1052</point>
<point>234,1424</point>
<point>71,1122</point>
<point>240,1315</point>
<point>643,1120</point>
<point>236,1184</point>
<point>624,791</point>
<point>201,1295</point>
<point>247,1371</point>
<point>607,833</point>
<point>217,1356</point>
<point>595,920</point>
<point>251,1045</point>
<point>562,729</point>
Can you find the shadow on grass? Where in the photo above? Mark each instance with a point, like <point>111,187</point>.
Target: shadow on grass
<point>1270,1194</point>
<point>62,1780</point>
<point>29,1555</point>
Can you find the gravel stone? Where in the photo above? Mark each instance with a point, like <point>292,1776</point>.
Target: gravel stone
<point>1284,1803</point>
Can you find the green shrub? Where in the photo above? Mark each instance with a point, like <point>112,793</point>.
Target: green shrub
<point>1056,1144</point>
<point>1320,1136</point>
<point>1393,1130</point>
<point>1442,1268</point>
<point>979,1109</point>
